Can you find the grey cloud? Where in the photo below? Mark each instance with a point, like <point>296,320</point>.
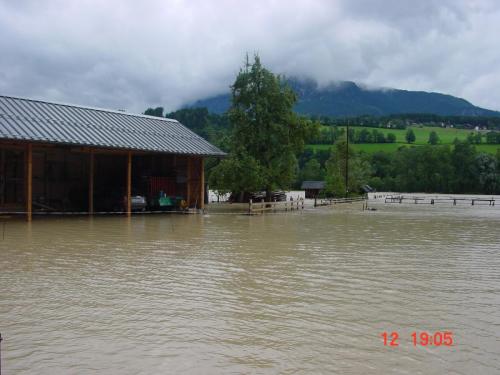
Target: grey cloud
<point>131,55</point>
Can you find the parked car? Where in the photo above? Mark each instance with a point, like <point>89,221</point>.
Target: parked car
<point>138,203</point>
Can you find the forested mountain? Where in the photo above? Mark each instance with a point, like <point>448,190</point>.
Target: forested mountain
<point>350,99</point>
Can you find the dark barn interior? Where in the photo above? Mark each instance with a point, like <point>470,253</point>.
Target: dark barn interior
<point>61,179</point>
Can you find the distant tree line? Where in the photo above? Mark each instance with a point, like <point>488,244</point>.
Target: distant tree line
<point>401,121</point>
<point>459,168</point>
<point>436,169</point>
<point>330,135</point>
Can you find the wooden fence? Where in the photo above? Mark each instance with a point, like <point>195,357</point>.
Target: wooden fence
<point>436,200</point>
<point>334,201</point>
<point>261,207</point>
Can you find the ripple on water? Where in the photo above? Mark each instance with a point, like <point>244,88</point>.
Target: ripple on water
<point>297,293</point>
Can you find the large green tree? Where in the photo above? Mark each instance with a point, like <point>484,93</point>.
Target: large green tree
<point>266,133</point>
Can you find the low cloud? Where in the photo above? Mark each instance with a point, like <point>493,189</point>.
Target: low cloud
<point>131,55</point>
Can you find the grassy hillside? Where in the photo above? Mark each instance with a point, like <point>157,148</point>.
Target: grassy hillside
<point>446,136</point>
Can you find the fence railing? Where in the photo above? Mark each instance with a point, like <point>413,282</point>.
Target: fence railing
<point>262,206</point>
<point>436,200</point>
<point>333,201</point>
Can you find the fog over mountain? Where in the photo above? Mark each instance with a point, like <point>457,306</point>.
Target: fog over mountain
<point>351,99</point>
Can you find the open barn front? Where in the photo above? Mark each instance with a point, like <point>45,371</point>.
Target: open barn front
<point>50,179</point>
<point>158,182</point>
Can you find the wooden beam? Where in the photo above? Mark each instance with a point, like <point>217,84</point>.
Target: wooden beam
<point>129,184</point>
<point>28,181</point>
<point>3,179</point>
<point>91,183</point>
<point>202,183</point>
<point>188,182</point>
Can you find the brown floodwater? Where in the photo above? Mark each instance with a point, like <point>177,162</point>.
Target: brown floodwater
<point>222,293</point>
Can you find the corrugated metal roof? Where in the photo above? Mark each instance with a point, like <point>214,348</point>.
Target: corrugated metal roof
<point>34,120</point>
<point>313,185</point>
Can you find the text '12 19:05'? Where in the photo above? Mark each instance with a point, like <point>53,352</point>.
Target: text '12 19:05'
<point>438,338</point>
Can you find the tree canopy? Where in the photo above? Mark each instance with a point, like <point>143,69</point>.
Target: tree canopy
<point>410,136</point>
<point>266,134</point>
<point>433,138</point>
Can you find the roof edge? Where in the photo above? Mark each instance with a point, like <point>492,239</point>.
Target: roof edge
<point>88,107</point>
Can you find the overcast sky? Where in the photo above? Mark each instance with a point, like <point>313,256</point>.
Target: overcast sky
<point>134,54</point>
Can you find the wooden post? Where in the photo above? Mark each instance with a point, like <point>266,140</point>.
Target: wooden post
<point>250,206</point>
<point>202,183</point>
<point>28,179</point>
<point>129,184</point>
<point>2,177</point>
<point>188,182</point>
<point>91,182</point>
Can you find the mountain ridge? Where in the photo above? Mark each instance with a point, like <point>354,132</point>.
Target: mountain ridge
<point>346,98</point>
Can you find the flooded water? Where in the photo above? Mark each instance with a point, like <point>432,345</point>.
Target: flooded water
<point>297,293</point>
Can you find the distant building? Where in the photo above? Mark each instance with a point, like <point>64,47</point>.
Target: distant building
<point>59,158</point>
<point>313,188</point>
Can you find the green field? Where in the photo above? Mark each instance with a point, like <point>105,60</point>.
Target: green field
<point>366,147</point>
<point>488,149</point>
<point>446,136</point>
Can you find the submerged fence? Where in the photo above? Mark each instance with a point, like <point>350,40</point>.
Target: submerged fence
<point>261,207</point>
<point>299,204</point>
<point>334,201</point>
<point>437,200</point>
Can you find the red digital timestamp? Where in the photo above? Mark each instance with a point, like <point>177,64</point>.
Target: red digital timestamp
<point>438,338</point>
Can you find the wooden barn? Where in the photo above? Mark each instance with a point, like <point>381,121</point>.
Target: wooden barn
<point>313,188</point>
<point>65,158</point>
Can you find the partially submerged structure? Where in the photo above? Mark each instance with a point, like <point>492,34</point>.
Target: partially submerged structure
<point>313,188</point>
<point>66,158</point>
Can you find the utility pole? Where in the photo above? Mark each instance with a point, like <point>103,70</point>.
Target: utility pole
<point>347,161</point>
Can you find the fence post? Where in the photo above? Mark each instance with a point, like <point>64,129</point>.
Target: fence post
<point>250,206</point>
